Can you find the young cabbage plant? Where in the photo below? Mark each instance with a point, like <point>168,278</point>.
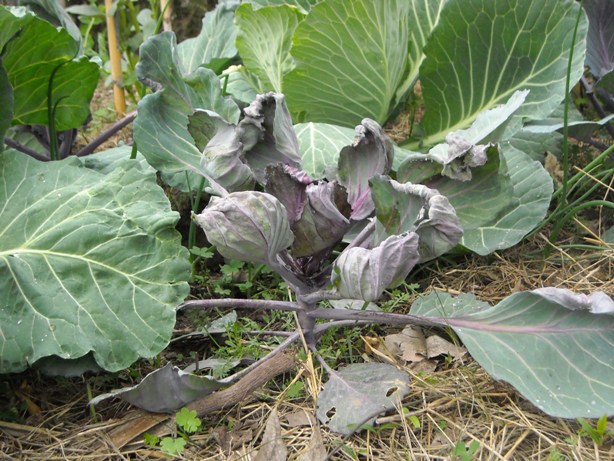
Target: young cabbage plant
<point>296,223</point>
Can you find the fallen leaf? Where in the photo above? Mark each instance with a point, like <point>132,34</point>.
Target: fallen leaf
<point>436,345</point>
<point>230,440</point>
<point>272,447</point>
<point>409,345</point>
<point>426,366</point>
<point>300,417</point>
<point>315,451</point>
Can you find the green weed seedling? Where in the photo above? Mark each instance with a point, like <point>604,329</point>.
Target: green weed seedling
<point>187,423</point>
<point>599,433</point>
<point>464,453</point>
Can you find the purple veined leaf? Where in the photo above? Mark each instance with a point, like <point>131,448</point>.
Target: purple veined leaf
<point>360,273</point>
<point>600,37</point>
<point>415,208</point>
<point>370,154</point>
<point>555,347</point>
<point>275,141</point>
<point>249,226</point>
<point>318,212</point>
<point>222,149</point>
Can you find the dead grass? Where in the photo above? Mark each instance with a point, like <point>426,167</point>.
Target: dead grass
<point>458,402</point>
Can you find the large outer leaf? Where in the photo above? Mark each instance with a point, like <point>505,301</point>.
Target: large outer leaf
<point>264,40</point>
<point>358,393</point>
<point>320,144</point>
<point>161,129</point>
<point>303,5</point>
<point>214,47</point>
<point>31,56</point>
<point>423,16</point>
<point>560,359</point>
<point>6,108</point>
<point>600,39</point>
<point>504,201</point>
<point>350,59</point>
<point>88,262</point>
<point>482,51</point>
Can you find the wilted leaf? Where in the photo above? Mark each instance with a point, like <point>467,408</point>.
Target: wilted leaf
<point>358,393</point>
<point>315,451</point>
<point>272,446</point>
<point>249,226</point>
<point>164,390</point>
<point>370,154</point>
<point>161,128</point>
<point>276,141</point>
<point>559,358</point>
<point>106,277</point>
<point>221,144</point>
<point>436,346</point>
<point>415,208</point>
<point>409,345</point>
<point>359,273</point>
<point>300,417</point>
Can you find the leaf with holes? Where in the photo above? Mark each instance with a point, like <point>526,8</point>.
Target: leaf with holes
<point>356,394</point>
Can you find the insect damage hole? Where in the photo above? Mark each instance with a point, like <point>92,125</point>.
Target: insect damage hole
<point>391,391</point>
<point>331,412</point>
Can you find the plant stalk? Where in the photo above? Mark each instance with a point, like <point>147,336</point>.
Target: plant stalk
<point>115,56</point>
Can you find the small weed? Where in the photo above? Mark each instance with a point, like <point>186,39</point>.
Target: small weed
<point>555,455</point>
<point>464,453</point>
<point>598,433</point>
<point>187,423</point>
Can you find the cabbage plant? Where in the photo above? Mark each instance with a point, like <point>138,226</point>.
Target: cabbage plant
<point>297,225</point>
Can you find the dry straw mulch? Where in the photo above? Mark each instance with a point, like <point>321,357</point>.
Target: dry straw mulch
<point>458,402</point>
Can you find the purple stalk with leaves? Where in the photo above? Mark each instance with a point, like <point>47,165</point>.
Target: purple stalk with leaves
<point>296,223</point>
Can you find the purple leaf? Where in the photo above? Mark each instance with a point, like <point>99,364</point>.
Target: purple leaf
<point>249,226</point>
<point>600,38</point>
<point>370,154</point>
<point>359,273</point>
<point>222,150</point>
<point>415,208</point>
<point>276,141</point>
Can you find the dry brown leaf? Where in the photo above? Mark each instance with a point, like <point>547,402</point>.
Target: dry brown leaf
<point>409,345</point>
<point>272,446</point>
<point>300,417</point>
<point>426,366</point>
<point>230,440</point>
<point>436,345</point>
<point>315,451</point>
